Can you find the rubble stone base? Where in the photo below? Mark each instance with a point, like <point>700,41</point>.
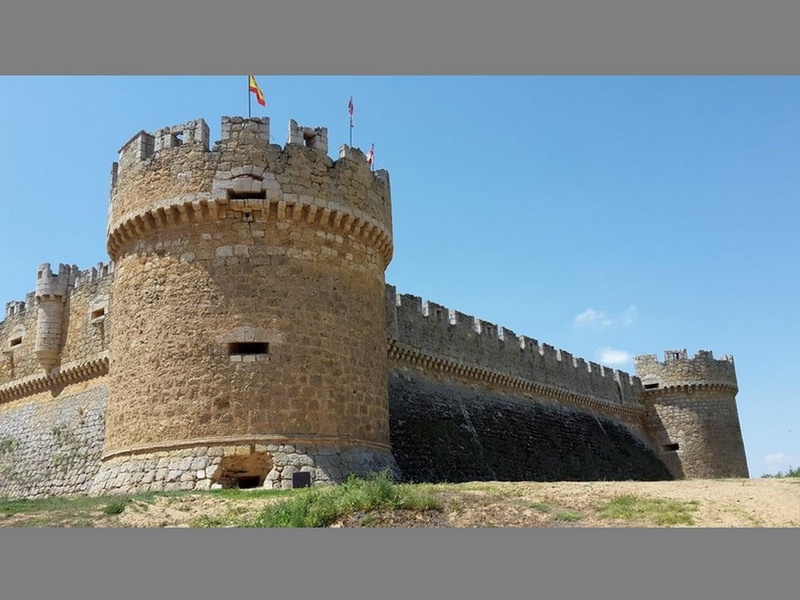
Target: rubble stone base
<point>269,466</point>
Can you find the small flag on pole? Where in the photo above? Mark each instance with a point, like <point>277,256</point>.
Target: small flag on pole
<point>371,155</point>
<point>257,91</point>
<point>350,110</point>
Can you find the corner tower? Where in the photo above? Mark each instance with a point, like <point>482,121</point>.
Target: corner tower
<point>692,415</point>
<point>248,339</point>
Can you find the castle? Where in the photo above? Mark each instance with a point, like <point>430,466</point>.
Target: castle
<point>243,335</point>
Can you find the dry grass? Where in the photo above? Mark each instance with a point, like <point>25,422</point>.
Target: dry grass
<point>767,502</point>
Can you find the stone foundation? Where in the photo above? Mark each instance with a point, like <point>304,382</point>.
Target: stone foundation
<point>268,466</point>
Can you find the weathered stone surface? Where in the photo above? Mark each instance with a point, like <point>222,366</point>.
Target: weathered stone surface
<point>456,433</point>
<point>239,335</point>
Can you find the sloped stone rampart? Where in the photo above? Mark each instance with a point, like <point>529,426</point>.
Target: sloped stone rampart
<point>52,446</point>
<point>457,433</point>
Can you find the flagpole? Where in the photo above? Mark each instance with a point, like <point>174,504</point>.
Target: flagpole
<point>249,93</point>
<point>350,110</point>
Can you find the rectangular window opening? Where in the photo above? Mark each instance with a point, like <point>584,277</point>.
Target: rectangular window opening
<point>96,314</point>
<point>669,447</point>
<point>261,195</point>
<point>650,386</point>
<point>247,348</point>
<point>15,342</point>
<point>176,139</point>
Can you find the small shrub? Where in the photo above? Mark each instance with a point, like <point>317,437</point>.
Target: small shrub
<point>792,472</point>
<point>115,507</point>
<point>321,506</point>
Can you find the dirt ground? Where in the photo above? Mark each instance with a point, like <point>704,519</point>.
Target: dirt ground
<point>768,502</point>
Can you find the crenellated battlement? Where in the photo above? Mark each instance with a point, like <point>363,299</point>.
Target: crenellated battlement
<point>60,320</point>
<point>677,369</point>
<point>15,307</point>
<point>446,333</point>
<point>171,178</point>
<point>236,132</point>
<point>55,286</point>
<point>59,285</point>
<point>238,335</point>
<point>310,137</point>
<point>94,274</point>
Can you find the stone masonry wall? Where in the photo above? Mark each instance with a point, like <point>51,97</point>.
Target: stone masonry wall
<point>248,300</point>
<point>269,466</point>
<point>704,429</point>
<point>445,342</point>
<point>692,413</point>
<point>51,446</point>
<point>249,245</point>
<point>187,295</point>
<point>84,334</point>
<point>447,431</point>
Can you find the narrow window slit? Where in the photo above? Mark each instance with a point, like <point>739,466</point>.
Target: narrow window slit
<point>260,195</point>
<point>247,348</point>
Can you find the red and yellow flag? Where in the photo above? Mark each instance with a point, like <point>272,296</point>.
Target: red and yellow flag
<point>257,91</point>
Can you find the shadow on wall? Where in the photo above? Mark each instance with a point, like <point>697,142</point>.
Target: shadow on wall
<point>451,433</point>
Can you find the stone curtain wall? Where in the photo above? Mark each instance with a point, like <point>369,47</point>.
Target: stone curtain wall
<point>249,339</point>
<point>450,432</point>
<point>84,333</point>
<point>445,342</point>
<point>51,446</point>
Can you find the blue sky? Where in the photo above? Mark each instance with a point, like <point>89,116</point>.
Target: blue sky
<point>607,216</point>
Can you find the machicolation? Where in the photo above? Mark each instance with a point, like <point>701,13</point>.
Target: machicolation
<point>242,334</point>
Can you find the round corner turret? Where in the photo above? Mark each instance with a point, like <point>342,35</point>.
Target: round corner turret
<point>249,333</point>
<point>692,414</point>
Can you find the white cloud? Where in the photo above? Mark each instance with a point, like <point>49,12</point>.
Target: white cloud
<point>592,317</point>
<point>613,358</point>
<point>598,319</point>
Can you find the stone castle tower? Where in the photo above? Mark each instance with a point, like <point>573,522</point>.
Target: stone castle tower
<point>248,301</point>
<point>243,335</point>
<point>692,413</point>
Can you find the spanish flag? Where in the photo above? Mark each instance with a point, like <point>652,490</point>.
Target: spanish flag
<point>257,91</point>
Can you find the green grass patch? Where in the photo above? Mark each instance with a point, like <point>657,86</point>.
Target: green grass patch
<point>658,511</point>
<point>237,494</point>
<point>55,504</point>
<point>58,510</point>
<point>569,516</point>
<point>321,506</point>
<point>540,507</point>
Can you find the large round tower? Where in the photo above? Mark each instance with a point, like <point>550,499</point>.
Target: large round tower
<point>692,413</point>
<point>248,339</point>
